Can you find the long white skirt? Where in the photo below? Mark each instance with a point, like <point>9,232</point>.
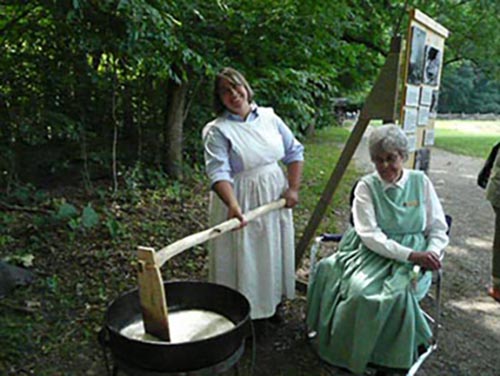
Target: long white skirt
<point>258,260</point>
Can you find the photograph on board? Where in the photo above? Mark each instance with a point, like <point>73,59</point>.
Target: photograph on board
<point>426,96</point>
<point>412,142</point>
<point>434,104</point>
<point>417,56</point>
<point>428,137</point>
<point>412,95</point>
<point>410,119</point>
<point>431,66</point>
<point>423,116</point>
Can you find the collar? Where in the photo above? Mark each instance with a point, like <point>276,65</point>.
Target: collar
<point>254,113</point>
<point>399,184</point>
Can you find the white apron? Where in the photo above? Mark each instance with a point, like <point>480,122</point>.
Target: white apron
<point>259,259</point>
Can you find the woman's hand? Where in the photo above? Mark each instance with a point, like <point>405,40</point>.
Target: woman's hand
<point>235,212</point>
<point>292,197</point>
<point>224,190</point>
<point>427,260</point>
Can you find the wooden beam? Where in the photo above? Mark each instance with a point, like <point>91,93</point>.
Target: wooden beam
<point>331,186</point>
<point>380,104</point>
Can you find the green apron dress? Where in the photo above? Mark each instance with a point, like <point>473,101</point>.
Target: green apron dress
<point>363,306</point>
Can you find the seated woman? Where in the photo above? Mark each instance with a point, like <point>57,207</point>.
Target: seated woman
<point>363,300</point>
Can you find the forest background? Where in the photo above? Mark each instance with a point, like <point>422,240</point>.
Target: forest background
<point>118,89</point>
<point>101,109</point>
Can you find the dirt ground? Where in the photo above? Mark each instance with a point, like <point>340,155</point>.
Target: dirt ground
<point>469,336</point>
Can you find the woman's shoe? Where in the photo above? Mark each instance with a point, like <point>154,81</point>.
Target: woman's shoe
<point>276,319</point>
<point>494,293</point>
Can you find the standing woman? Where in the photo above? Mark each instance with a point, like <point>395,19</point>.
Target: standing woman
<point>493,195</point>
<point>243,146</point>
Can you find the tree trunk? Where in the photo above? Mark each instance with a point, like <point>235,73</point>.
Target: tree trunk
<point>176,99</point>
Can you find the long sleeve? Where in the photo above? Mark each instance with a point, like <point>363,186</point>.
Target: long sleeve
<point>368,230</point>
<point>216,150</point>
<point>374,238</point>
<point>294,150</point>
<point>436,226</point>
<point>222,163</point>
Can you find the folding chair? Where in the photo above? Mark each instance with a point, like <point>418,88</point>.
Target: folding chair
<point>323,245</point>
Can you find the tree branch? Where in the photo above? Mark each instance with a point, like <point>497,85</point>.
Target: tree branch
<point>352,39</point>
<point>15,20</point>
<point>397,27</point>
<point>8,207</point>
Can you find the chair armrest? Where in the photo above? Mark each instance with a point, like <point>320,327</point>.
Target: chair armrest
<point>417,268</point>
<point>331,237</point>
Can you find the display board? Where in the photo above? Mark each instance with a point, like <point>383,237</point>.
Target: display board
<point>415,106</point>
<point>422,77</point>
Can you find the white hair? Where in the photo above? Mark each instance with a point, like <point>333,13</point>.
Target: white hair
<point>388,138</point>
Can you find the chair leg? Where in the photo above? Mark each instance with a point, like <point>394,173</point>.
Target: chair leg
<point>438,304</point>
<point>421,359</point>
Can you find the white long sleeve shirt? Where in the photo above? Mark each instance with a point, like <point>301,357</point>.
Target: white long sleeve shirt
<point>374,238</point>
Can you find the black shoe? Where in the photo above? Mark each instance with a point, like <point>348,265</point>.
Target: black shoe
<point>276,319</point>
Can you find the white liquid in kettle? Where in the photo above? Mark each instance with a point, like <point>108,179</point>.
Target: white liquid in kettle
<point>185,326</point>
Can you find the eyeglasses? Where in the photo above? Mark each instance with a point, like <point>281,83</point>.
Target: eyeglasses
<point>391,159</point>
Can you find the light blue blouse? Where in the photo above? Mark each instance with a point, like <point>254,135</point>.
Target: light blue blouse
<point>222,163</point>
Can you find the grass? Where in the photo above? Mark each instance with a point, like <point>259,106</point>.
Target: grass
<point>50,326</point>
<point>321,154</point>
<point>464,137</point>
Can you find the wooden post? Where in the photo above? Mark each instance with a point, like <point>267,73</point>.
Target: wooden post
<point>380,104</point>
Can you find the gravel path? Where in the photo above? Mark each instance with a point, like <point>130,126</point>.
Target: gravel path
<point>470,336</point>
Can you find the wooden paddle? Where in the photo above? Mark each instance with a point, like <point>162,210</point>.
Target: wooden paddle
<point>151,291</point>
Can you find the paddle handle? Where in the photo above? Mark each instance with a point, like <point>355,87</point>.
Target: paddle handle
<point>173,249</point>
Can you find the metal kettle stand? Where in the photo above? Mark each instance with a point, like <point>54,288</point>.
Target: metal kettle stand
<point>231,362</point>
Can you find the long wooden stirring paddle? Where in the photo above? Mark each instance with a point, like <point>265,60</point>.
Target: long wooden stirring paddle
<point>151,290</point>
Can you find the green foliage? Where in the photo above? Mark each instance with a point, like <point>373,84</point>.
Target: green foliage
<point>23,193</point>
<point>114,227</point>
<point>75,74</point>
<point>307,101</point>
<point>474,33</point>
<point>66,211</point>
<point>321,156</point>
<point>52,283</point>
<point>465,89</point>
<point>89,218</point>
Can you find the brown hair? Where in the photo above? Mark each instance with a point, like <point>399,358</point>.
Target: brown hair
<point>235,77</point>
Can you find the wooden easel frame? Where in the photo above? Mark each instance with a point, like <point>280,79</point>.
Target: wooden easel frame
<point>436,35</point>
<point>381,104</point>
